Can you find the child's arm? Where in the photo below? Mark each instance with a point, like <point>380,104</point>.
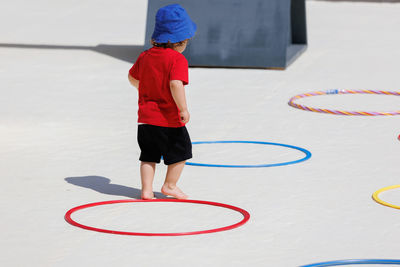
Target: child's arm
<point>133,81</point>
<point>178,93</point>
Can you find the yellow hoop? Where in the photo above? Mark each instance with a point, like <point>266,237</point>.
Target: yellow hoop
<point>377,199</point>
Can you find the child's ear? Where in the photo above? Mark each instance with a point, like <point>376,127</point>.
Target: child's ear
<point>184,42</point>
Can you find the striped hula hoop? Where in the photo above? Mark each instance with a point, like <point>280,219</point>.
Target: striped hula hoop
<point>343,112</point>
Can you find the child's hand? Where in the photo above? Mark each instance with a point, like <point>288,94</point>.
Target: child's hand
<point>185,116</point>
<point>178,93</point>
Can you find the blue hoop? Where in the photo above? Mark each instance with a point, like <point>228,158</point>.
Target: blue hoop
<point>306,152</point>
<point>348,262</point>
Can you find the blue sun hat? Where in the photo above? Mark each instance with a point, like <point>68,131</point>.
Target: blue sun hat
<point>173,25</point>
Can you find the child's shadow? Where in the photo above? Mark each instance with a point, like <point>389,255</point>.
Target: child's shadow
<point>103,185</point>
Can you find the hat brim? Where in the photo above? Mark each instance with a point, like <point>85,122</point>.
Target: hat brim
<point>175,37</point>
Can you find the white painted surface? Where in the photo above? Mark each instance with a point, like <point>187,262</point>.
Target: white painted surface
<point>72,114</point>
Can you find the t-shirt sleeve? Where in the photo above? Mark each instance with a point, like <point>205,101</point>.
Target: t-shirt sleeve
<point>180,69</point>
<point>134,71</point>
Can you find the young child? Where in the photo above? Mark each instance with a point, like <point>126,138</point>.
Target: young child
<point>160,74</point>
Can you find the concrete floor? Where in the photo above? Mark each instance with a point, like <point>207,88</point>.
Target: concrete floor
<point>68,137</point>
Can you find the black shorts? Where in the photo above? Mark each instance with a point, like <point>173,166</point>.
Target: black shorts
<point>173,144</point>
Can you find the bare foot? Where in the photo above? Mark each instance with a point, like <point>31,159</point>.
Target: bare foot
<point>173,191</point>
<point>147,195</point>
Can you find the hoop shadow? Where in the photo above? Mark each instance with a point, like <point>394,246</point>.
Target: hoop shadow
<point>103,185</point>
<point>128,53</point>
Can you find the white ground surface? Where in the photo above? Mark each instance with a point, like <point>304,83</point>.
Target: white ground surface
<point>68,137</point>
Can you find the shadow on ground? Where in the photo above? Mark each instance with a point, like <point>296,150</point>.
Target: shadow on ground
<point>103,185</point>
<point>128,53</point>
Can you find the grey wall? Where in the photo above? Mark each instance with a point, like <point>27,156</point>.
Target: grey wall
<point>241,33</point>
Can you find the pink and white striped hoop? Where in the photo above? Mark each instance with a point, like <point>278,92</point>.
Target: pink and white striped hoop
<point>343,112</point>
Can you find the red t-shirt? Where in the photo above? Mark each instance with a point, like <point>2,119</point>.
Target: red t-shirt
<point>154,69</point>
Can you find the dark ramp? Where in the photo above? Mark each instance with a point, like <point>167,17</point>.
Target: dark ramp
<point>241,33</point>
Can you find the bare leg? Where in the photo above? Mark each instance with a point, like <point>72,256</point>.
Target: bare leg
<point>147,170</point>
<point>173,173</point>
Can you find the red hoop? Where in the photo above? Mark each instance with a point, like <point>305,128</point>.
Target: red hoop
<point>246,217</point>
